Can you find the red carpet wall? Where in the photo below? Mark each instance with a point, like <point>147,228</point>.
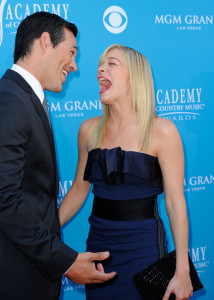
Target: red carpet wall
<point>177,37</point>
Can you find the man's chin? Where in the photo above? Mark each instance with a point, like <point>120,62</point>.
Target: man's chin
<point>55,89</point>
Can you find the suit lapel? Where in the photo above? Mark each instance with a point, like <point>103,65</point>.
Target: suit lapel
<point>38,106</point>
<point>48,131</point>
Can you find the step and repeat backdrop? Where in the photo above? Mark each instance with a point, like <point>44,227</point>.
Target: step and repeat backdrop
<point>177,37</point>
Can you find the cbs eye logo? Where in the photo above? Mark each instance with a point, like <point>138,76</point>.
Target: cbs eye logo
<point>115,19</point>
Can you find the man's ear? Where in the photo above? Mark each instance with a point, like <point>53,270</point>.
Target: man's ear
<point>45,41</point>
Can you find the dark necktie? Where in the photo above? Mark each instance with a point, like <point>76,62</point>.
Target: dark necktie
<point>45,106</point>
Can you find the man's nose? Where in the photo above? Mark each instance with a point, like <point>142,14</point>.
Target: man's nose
<point>73,66</point>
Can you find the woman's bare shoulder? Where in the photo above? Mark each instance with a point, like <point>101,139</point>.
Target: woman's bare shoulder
<point>88,125</point>
<point>164,136</point>
<point>86,129</point>
<point>164,127</point>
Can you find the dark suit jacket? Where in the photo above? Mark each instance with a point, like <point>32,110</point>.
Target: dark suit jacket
<point>32,256</point>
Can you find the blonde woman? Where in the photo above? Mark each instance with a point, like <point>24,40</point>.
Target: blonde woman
<point>129,155</point>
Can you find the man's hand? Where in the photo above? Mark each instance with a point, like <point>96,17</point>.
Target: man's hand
<point>84,271</point>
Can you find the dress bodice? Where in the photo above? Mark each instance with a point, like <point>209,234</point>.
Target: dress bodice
<point>120,174</point>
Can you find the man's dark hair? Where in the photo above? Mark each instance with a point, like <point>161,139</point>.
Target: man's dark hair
<point>32,27</point>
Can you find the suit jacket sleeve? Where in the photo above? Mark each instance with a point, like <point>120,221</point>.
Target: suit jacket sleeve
<point>20,222</point>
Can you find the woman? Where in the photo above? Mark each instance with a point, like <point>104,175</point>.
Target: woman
<point>125,154</point>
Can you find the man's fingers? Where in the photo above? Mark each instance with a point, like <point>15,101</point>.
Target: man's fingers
<point>106,276</point>
<point>99,255</point>
<point>85,270</point>
<point>100,268</point>
<point>101,277</point>
<point>110,275</point>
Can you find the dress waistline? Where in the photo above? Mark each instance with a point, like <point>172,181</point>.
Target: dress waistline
<point>124,210</point>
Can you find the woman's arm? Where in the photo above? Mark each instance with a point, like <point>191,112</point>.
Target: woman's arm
<point>77,194</point>
<point>171,158</point>
<point>83,270</point>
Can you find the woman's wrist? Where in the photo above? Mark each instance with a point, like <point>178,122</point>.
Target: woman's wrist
<point>182,271</point>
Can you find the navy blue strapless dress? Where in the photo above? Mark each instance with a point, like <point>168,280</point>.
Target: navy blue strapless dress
<point>133,245</point>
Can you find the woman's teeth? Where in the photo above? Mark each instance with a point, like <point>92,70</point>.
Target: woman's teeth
<point>105,84</point>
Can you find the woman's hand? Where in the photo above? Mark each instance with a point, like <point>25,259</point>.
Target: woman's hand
<point>181,286</point>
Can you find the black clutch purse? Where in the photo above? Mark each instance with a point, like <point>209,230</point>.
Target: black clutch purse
<point>153,281</point>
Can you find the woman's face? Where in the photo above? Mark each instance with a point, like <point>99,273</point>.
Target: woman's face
<point>113,77</point>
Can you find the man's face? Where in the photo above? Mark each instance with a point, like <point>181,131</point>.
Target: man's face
<point>59,62</point>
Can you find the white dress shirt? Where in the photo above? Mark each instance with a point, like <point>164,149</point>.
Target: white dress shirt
<point>31,80</point>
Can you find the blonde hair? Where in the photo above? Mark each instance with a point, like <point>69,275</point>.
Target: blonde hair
<point>142,91</point>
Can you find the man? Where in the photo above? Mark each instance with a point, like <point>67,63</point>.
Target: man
<point>32,256</point>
